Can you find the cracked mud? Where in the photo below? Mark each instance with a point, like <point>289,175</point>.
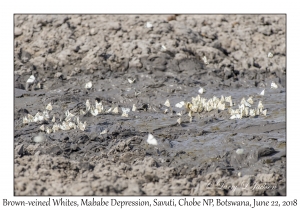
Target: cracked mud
<point>200,157</point>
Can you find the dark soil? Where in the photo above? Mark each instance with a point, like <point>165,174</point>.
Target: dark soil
<point>64,52</point>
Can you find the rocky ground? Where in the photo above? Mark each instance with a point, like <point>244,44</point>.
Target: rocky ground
<point>164,59</point>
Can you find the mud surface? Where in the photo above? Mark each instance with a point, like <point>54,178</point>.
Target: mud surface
<point>64,52</point>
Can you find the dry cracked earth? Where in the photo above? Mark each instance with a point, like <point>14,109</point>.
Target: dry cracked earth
<point>163,54</point>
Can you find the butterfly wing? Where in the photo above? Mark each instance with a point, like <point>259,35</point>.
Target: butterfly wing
<point>151,140</point>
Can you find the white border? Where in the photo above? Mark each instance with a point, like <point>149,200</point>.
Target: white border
<point>153,6</point>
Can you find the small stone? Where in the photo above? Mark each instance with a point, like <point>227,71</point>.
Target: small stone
<point>19,149</point>
<point>18,32</point>
<point>25,56</point>
<point>88,85</point>
<point>40,138</point>
<point>37,153</point>
<point>93,32</point>
<point>270,55</point>
<point>239,151</point>
<point>31,149</point>
<point>73,147</point>
<point>114,26</point>
<point>57,74</point>
<point>266,151</point>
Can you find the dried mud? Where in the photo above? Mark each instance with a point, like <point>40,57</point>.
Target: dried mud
<point>64,52</point>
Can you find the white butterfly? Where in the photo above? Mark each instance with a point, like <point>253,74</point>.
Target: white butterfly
<point>46,114</point>
<point>201,90</point>
<point>205,60</point>
<point>72,125</point>
<point>31,79</point>
<point>38,117</point>
<point>109,110</point>
<point>133,108</point>
<point>233,117</point>
<point>237,111</point>
<point>151,140</point>
<point>42,128</point>
<point>163,48</point>
<point>149,25</point>
<point>249,100</point>
<point>270,55</point>
<point>257,111</point>
<point>103,132</point>
<point>131,81</point>
<point>49,107</point>
<point>262,92</point>
<point>94,112</point>
<point>245,103</point>
<point>48,130</point>
<point>88,85</point>
<point>260,106</point>
<point>179,121</point>
<point>55,128</point>
<point>115,110</point>
<point>242,106</point>
<point>194,108</point>
<point>69,115</point>
<point>208,108</point>
<point>99,106</point>
<point>246,111</point>
<point>180,104</point>
<point>64,126</point>
<point>125,111</point>
<point>236,116</point>
<point>136,93</point>
<point>82,126</point>
<point>222,99</point>
<point>200,108</point>
<point>215,99</point>
<point>30,118</point>
<point>167,103</point>
<point>274,85</point>
<point>228,100</point>
<point>81,112</point>
<point>221,106</point>
<point>88,105</point>
<point>25,120</point>
<point>252,112</point>
<point>239,151</point>
<point>57,74</point>
<point>77,120</point>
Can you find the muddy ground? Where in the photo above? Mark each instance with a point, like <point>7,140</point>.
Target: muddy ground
<point>64,52</point>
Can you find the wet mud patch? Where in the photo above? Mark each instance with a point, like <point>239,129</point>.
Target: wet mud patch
<point>111,156</point>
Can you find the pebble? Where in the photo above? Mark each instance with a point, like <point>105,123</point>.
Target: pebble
<point>19,149</point>
<point>18,32</point>
<point>39,138</point>
<point>239,151</point>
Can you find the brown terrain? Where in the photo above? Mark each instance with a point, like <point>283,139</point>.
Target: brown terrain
<point>209,154</point>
